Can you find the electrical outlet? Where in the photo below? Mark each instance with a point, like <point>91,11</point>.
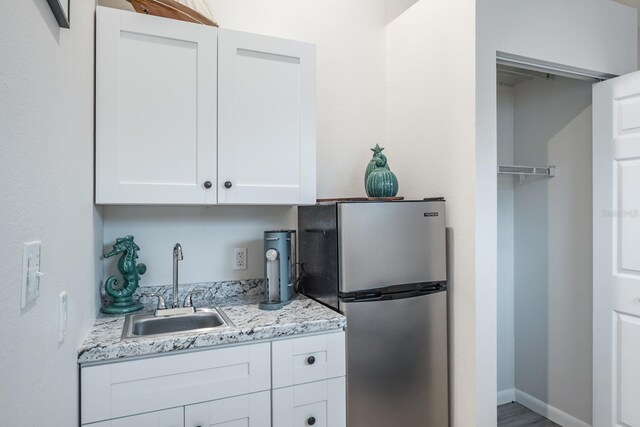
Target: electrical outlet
<point>240,259</point>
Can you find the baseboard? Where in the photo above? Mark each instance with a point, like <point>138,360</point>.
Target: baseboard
<point>542,408</point>
<point>506,396</point>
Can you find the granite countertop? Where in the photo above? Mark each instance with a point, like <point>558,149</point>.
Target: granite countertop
<point>302,315</point>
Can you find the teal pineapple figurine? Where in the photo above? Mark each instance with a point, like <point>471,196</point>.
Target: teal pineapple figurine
<point>377,150</point>
<point>381,181</point>
<point>122,294</point>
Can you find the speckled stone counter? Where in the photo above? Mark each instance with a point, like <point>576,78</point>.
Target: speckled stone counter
<point>301,316</point>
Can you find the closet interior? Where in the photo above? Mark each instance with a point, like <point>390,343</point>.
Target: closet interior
<point>544,243</point>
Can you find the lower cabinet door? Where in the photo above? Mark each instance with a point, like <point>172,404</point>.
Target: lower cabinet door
<point>167,418</point>
<point>249,410</point>
<point>318,404</point>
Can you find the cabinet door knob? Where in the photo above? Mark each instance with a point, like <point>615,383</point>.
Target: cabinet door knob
<point>311,421</point>
<point>311,360</point>
<point>228,184</point>
<point>207,184</point>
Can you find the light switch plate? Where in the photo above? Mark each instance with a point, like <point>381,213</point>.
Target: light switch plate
<point>31,273</point>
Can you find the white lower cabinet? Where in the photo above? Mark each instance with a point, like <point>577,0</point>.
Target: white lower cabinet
<point>285,383</point>
<point>249,410</point>
<point>167,418</point>
<point>318,404</point>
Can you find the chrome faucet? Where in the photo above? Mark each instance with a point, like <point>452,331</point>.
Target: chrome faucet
<point>177,256</point>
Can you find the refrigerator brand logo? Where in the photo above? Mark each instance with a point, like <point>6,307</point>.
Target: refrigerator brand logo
<point>431,214</point>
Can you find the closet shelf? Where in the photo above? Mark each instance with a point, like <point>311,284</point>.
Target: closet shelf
<point>523,171</point>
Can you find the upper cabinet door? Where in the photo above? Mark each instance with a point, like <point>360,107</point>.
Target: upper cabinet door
<point>266,120</point>
<point>155,110</point>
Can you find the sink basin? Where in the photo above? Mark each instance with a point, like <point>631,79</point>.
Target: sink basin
<point>145,325</point>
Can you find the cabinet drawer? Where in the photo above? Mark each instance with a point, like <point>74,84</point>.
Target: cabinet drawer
<point>137,386</point>
<point>308,359</point>
<point>168,418</point>
<point>321,404</point>
<point>249,410</point>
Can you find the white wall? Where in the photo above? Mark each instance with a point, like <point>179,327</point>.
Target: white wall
<point>506,349</point>
<point>46,171</point>
<point>430,140</point>
<point>635,4</point>
<point>207,235</point>
<point>351,79</point>
<point>553,261</point>
<point>396,8</point>
<point>595,35</point>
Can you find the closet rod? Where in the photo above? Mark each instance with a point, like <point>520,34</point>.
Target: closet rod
<point>549,171</point>
<point>550,67</point>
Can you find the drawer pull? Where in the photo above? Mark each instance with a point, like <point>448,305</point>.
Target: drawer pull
<point>311,360</point>
<point>311,421</point>
<point>208,184</point>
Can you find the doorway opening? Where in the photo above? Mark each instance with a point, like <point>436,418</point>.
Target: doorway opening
<point>544,157</point>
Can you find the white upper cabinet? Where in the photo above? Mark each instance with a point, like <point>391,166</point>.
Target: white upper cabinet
<point>155,110</point>
<point>266,120</point>
<point>172,96</point>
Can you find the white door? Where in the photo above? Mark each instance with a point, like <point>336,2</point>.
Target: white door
<point>155,110</point>
<point>248,410</point>
<point>616,252</point>
<point>318,404</point>
<point>167,418</point>
<point>266,120</point>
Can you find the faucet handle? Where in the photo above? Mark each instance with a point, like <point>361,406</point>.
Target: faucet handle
<point>188,301</point>
<point>162,302</point>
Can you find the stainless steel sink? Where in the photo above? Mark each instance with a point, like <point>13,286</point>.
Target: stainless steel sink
<point>149,324</point>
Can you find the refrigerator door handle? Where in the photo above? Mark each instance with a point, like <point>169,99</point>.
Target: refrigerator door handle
<point>394,291</point>
<point>371,296</point>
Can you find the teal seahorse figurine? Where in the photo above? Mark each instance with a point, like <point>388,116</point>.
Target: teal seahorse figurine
<point>122,294</point>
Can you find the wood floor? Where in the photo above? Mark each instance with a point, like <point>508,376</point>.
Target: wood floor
<point>515,415</point>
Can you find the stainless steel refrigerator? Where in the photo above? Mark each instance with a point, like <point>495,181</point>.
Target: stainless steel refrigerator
<point>383,265</point>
